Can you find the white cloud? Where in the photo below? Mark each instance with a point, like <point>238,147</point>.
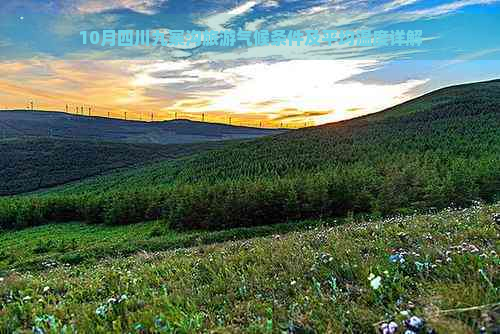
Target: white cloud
<point>218,20</point>
<point>270,4</point>
<point>448,8</point>
<point>392,5</point>
<point>254,25</point>
<point>140,6</point>
<point>313,85</point>
<point>470,56</point>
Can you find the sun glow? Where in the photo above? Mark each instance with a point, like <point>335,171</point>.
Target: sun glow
<point>293,93</point>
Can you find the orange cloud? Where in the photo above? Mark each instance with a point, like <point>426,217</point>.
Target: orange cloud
<point>291,92</point>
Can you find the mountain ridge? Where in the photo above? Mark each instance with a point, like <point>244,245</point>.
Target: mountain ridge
<point>27,123</point>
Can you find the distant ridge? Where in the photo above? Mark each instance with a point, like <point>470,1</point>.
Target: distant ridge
<point>60,125</point>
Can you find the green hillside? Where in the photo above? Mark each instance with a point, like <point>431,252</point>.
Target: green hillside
<point>36,163</point>
<point>436,150</point>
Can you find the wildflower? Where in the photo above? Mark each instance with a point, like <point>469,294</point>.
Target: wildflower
<point>375,281</point>
<point>397,258</point>
<point>422,265</point>
<point>38,330</point>
<point>292,283</point>
<point>101,310</point>
<point>414,324</point>
<point>46,289</point>
<point>390,328</point>
<point>47,319</point>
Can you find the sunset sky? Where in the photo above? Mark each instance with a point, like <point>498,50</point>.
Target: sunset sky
<point>42,58</point>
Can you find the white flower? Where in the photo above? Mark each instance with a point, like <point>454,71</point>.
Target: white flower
<point>393,327</point>
<point>375,282</point>
<point>101,310</point>
<point>293,282</point>
<point>416,322</point>
<point>46,289</point>
<point>390,328</point>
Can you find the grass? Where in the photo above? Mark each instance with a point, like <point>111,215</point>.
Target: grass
<point>76,243</point>
<point>315,281</point>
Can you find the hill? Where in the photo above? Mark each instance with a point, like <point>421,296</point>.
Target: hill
<point>21,123</point>
<point>433,151</point>
<point>353,278</point>
<point>29,164</point>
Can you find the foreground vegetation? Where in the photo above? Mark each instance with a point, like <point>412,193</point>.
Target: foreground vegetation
<point>435,150</point>
<point>77,243</point>
<point>443,268</point>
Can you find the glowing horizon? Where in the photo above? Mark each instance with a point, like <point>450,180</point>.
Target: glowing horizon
<point>42,58</point>
<point>106,88</point>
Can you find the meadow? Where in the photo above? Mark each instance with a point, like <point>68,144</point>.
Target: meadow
<point>79,243</point>
<point>353,278</point>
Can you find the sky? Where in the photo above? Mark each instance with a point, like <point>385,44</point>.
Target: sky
<point>43,59</point>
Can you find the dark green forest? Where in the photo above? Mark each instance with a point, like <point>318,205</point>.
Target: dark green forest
<point>439,150</point>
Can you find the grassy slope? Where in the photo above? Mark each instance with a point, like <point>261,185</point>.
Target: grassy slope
<point>76,243</point>
<point>32,164</point>
<point>263,285</point>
